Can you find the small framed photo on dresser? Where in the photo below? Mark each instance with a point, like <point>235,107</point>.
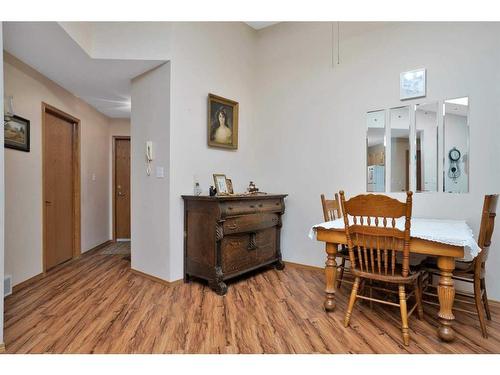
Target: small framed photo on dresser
<point>220,183</point>
<point>229,184</point>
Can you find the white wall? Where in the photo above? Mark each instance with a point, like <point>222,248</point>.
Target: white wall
<point>150,121</point>
<point>310,118</point>
<point>23,171</point>
<point>117,127</point>
<point>218,58</point>
<point>2,194</point>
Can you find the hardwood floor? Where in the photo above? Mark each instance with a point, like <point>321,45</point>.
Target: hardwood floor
<point>96,305</point>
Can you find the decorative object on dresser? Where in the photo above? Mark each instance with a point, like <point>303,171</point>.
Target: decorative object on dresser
<point>229,184</point>
<point>474,272</point>
<point>226,236</point>
<point>252,188</point>
<point>212,191</point>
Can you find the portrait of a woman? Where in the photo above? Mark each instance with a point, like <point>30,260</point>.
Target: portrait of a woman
<point>222,122</point>
<point>221,132</point>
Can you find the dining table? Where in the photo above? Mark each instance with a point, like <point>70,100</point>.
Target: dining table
<point>448,240</point>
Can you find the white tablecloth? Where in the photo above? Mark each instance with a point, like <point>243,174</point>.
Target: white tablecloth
<point>451,232</point>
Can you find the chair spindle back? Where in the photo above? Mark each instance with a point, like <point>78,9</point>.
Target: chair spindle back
<point>331,208</point>
<point>373,236</point>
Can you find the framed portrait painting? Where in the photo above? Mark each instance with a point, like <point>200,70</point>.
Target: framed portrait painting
<point>222,122</point>
<point>17,133</point>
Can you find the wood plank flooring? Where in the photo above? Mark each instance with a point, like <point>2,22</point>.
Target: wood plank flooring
<point>96,305</point>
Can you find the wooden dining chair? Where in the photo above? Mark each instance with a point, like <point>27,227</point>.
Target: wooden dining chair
<point>374,242</point>
<point>474,272</point>
<point>331,211</point>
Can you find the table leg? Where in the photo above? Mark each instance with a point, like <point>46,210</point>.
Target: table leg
<point>330,276</point>
<point>446,295</point>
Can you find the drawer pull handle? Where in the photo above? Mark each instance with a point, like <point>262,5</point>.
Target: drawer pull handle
<point>252,206</point>
<point>252,244</point>
<point>260,205</point>
<point>232,226</point>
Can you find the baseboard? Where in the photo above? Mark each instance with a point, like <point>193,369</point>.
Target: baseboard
<point>25,283</point>
<point>154,278</point>
<point>2,348</point>
<point>98,247</point>
<point>306,266</point>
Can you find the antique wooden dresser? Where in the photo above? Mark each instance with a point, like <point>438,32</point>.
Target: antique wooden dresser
<point>230,235</point>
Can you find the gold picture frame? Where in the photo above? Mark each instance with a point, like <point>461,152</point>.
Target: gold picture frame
<point>220,183</point>
<point>222,124</point>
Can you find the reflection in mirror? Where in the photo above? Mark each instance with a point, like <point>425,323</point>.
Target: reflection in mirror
<point>375,151</point>
<point>400,148</point>
<point>426,126</point>
<point>456,145</point>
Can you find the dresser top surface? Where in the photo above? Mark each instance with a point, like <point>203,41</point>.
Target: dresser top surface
<point>232,197</point>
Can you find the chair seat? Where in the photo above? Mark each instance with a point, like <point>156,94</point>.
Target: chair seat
<point>343,252</point>
<point>396,279</point>
<point>462,269</point>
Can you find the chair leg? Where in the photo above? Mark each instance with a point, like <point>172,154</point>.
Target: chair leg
<point>341,274</point>
<point>404,315</point>
<point>479,307</point>
<point>418,297</point>
<point>485,299</point>
<point>352,299</point>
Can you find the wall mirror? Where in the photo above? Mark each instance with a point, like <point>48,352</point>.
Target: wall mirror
<point>456,145</point>
<point>375,151</point>
<point>426,132</point>
<point>400,148</point>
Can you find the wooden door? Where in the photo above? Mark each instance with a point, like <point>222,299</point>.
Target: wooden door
<point>122,188</point>
<point>59,158</point>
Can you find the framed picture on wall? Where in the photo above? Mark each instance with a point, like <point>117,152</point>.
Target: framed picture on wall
<point>222,122</point>
<point>412,84</point>
<point>17,133</point>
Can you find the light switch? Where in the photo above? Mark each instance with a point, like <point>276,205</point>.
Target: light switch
<point>93,176</point>
<point>160,172</point>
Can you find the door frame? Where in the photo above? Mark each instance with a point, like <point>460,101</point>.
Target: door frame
<point>113,172</point>
<point>48,109</point>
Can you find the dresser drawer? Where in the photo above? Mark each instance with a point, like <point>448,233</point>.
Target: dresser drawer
<point>249,223</point>
<point>236,255</point>
<point>266,245</point>
<point>239,253</point>
<point>244,207</point>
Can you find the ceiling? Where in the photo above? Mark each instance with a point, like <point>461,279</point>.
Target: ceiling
<point>102,83</point>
